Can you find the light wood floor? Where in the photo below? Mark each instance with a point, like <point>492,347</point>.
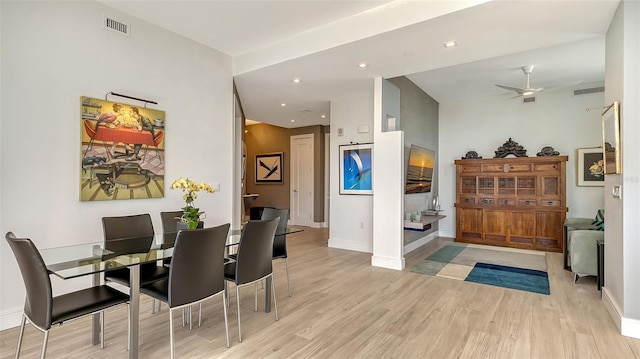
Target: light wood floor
<point>344,308</point>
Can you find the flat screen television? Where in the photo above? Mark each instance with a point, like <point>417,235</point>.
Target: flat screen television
<point>420,170</point>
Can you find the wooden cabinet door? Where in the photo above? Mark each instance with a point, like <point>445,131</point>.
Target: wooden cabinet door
<point>469,224</point>
<point>495,225</point>
<point>549,230</point>
<point>522,227</point>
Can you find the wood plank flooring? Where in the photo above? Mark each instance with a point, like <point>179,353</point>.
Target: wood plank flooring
<point>344,308</point>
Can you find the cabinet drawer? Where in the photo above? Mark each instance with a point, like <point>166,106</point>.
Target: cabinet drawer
<point>473,169</point>
<point>467,200</point>
<point>486,201</point>
<point>492,168</point>
<point>518,168</point>
<point>546,167</point>
<point>506,201</point>
<point>550,203</point>
<point>527,202</point>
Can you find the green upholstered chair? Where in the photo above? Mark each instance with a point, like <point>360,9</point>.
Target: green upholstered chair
<point>583,252</point>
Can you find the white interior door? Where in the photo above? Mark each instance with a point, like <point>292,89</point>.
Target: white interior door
<point>302,180</point>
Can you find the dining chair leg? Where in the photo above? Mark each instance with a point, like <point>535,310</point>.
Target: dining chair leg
<point>190,319</point>
<point>24,319</point>
<point>153,305</point>
<point>255,299</point>
<point>273,289</point>
<point>238,300</point>
<point>226,292</point>
<point>171,330</point>
<point>286,265</point>
<point>128,327</point>
<point>200,316</point>
<point>102,329</point>
<point>183,318</point>
<point>226,322</point>
<point>44,344</point>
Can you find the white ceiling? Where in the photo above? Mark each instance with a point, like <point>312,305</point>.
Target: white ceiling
<point>322,41</point>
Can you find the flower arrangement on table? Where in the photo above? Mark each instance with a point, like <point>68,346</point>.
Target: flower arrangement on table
<point>191,214</point>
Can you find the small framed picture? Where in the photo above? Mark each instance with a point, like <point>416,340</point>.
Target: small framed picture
<point>269,168</point>
<point>356,163</point>
<point>590,167</point>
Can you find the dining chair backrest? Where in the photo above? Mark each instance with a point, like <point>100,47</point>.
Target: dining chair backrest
<point>254,258</point>
<point>169,221</point>
<point>280,240</point>
<point>128,234</point>
<point>169,226</point>
<point>197,265</point>
<point>39,302</point>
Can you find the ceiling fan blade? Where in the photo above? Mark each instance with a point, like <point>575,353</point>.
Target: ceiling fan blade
<point>518,90</point>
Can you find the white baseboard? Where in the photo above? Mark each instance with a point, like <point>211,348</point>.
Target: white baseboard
<point>350,245</point>
<point>387,262</point>
<point>627,326</point>
<point>420,242</point>
<point>319,225</point>
<point>10,318</point>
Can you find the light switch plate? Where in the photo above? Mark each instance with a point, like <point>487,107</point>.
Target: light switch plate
<point>616,191</point>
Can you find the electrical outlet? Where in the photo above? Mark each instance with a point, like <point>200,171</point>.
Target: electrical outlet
<point>216,186</point>
<point>361,225</point>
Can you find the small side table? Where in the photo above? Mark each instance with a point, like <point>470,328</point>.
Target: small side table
<point>565,235</point>
<point>600,260</point>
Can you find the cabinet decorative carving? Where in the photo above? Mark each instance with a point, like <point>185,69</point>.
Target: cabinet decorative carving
<point>513,202</point>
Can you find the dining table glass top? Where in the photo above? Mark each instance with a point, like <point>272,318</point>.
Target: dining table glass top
<point>89,258</point>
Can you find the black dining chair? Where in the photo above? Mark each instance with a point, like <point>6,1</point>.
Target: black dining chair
<point>254,260</point>
<point>196,273</point>
<point>42,309</point>
<point>128,235</point>
<point>280,240</point>
<point>170,229</point>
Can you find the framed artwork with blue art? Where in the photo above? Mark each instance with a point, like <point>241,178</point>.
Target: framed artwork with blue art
<point>356,165</point>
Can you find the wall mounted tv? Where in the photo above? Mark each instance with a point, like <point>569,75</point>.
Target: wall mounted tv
<point>420,170</point>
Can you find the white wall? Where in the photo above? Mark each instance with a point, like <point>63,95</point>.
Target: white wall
<point>388,179</point>
<point>556,119</point>
<point>351,216</point>
<point>621,293</point>
<point>55,52</point>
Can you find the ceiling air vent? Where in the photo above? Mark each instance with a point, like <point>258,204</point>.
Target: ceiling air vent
<point>588,91</point>
<point>116,26</point>
<point>528,99</point>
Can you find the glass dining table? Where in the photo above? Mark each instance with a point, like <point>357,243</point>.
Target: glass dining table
<point>92,259</point>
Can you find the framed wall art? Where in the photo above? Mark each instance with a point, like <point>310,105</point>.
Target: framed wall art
<point>356,166</point>
<point>121,151</point>
<point>590,167</point>
<point>269,168</point>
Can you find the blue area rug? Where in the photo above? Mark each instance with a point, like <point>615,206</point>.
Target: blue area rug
<point>510,277</point>
<point>502,267</point>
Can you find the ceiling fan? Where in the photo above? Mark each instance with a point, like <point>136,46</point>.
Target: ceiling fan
<point>527,91</point>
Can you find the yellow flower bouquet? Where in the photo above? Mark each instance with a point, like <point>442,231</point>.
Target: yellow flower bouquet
<point>191,215</point>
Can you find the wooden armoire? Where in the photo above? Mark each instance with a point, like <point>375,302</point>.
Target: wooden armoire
<point>514,202</point>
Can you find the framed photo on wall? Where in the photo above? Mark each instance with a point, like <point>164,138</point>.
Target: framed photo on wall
<point>269,168</point>
<point>590,167</point>
<point>356,166</point>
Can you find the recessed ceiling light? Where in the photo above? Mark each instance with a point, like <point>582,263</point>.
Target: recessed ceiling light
<point>296,80</point>
<point>283,104</point>
<point>362,65</point>
<point>323,116</point>
<point>293,120</point>
<point>449,44</point>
